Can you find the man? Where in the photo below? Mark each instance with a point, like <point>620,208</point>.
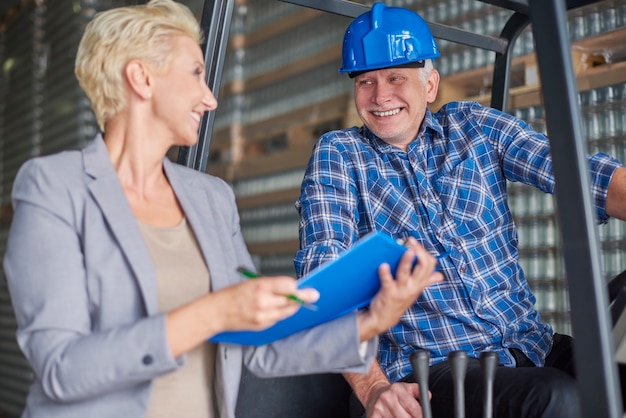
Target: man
<point>441,177</point>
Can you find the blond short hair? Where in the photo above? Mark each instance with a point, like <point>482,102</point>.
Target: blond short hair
<point>116,36</point>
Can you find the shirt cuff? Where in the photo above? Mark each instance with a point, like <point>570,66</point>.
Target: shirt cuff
<point>363,349</point>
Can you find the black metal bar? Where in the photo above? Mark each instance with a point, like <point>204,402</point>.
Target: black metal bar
<point>488,366</point>
<point>215,24</point>
<point>349,9</point>
<point>521,6</point>
<point>458,368</point>
<point>338,7</point>
<point>420,360</point>
<point>467,38</point>
<point>502,66</point>
<point>594,351</point>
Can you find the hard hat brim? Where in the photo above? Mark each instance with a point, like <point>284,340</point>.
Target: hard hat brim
<point>415,64</point>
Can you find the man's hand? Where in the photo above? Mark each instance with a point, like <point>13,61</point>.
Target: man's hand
<point>398,400</point>
<point>396,296</point>
<point>382,399</point>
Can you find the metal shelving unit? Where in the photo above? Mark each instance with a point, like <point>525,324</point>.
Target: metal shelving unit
<point>595,359</point>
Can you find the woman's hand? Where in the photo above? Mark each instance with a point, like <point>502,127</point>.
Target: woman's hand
<point>396,296</point>
<point>251,305</point>
<point>260,303</point>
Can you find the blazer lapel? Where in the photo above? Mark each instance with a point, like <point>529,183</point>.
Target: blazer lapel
<point>107,191</point>
<point>201,213</point>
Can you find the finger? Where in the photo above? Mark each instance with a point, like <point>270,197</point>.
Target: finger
<point>268,317</point>
<point>413,389</point>
<point>279,284</point>
<point>288,290</point>
<point>264,295</point>
<point>435,278</point>
<point>384,273</point>
<point>407,261</point>
<point>308,295</point>
<point>393,403</point>
<point>409,400</point>
<point>389,410</point>
<point>425,260</point>
<point>252,305</point>
<point>407,394</point>
<point>419,249</point>
<point>411,407</point>
<point>285,312</point>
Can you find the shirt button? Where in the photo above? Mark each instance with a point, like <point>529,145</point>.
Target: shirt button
<point>147,360</point>
<point>462,269</point>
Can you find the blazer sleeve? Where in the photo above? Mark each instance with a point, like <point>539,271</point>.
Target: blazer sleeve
<point>45,269</point>
<point>329,348</point>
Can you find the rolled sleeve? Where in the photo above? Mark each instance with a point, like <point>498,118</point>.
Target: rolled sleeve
<point>602,169</point>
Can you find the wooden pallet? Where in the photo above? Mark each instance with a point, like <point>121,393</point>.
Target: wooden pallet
<point>597,61</point>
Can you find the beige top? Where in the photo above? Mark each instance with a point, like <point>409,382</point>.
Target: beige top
<point>182,276</point>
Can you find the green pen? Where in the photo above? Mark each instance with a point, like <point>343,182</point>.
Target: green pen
<point>252,275</point>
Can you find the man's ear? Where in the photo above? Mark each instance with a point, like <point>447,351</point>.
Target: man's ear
<point>432,86</point>
<point>139,78</point>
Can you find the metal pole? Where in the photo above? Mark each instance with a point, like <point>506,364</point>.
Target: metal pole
<point>215,24</point>
<point>449,33</point>
<point>502,66</point>
<point>594,351</point>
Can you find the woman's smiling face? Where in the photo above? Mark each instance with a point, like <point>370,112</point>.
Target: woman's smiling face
<point>181,95</point>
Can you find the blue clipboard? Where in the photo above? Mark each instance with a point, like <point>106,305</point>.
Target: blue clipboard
<point>345,285</point>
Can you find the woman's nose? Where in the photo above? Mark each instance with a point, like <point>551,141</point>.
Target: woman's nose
<point>209,100</point>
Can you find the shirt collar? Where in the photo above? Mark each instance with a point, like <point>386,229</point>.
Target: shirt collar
<point>431,122</point>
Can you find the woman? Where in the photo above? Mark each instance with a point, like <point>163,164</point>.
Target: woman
<point>122,264</point>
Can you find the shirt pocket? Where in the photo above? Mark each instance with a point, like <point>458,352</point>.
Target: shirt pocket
<point>388,205</point>
<point>467,198</point>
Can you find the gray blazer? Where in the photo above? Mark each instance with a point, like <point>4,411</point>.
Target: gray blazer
<point>84,291</point>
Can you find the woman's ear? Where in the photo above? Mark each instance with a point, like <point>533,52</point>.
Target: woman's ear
<point>139,78</point>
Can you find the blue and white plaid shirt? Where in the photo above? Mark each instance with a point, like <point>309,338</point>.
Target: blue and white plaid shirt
<point>449,191</point>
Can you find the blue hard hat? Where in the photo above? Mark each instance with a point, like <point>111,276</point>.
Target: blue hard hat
<point>386,37</point>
